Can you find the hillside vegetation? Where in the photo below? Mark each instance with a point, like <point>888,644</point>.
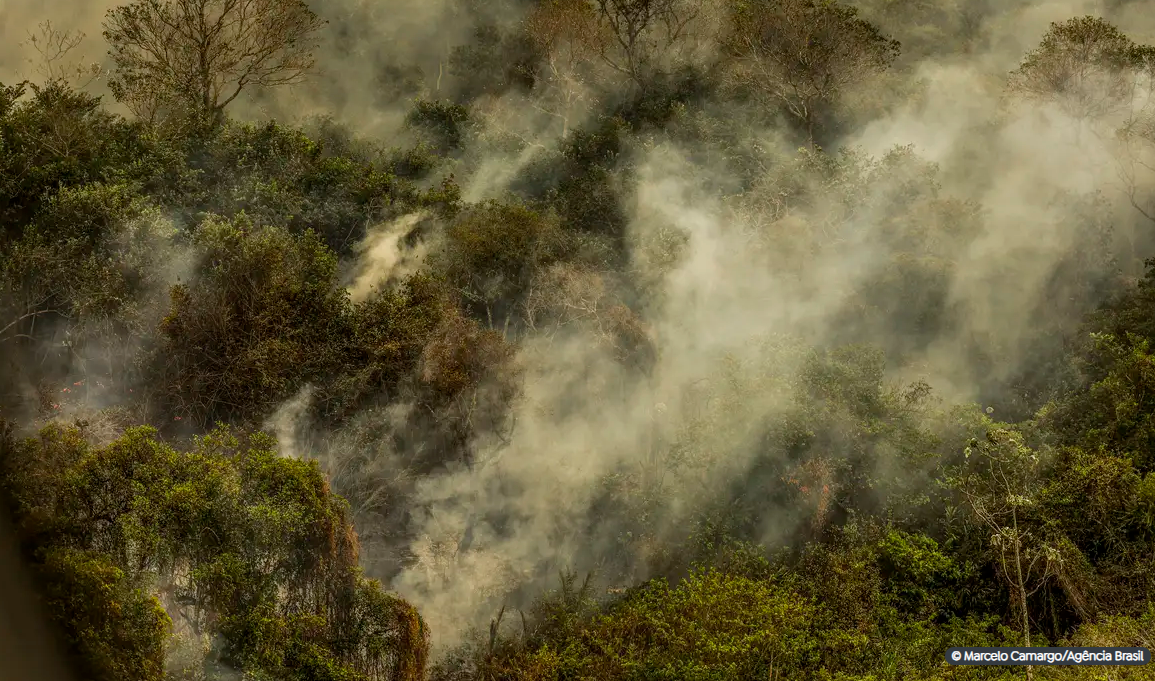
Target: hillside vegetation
<point>644,340</point>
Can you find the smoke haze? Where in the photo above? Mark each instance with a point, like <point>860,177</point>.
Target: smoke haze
<point>731,284</point>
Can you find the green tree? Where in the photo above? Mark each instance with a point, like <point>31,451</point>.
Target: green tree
<point>263,314</point>
<point>235,541</point>
<point>1001,487</point>
<point>1086,66</point>
<point>1097,75</point>
<point>494,251</point>
<point>1111,409</point>
<point>113,628</point>
<point>54,137</point>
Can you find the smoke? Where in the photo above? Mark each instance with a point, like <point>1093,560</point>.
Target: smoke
<point>727,297</point>
<point>67,379</point>
<point>384,256</point>
<point>285,423</point>
<point>583,418</point>
<point>372,57</point>
<point>735,289</point>
<point>21,19</point>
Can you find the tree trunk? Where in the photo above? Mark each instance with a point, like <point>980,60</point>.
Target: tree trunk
<point>1022,590</point>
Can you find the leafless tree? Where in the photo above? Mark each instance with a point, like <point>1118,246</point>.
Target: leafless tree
<point>53,47</point>
<point>563,30</point>
<point>195,57</point>
<point>633,37</point>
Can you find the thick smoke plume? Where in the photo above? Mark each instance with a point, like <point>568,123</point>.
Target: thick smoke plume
<point>583,419</point>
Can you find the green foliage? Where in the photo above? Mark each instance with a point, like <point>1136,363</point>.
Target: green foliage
<point>798,56</point>
<point>116,631</point>
<point>83,280</point>
<point>926,28</point>
<point>237,541</point>
<point>715,625</point>
<point>261,316</point>
<point>494,62</point>
<point>1112,410</point>
<point>1082,64</point>
<point>384,340</point>
<point>919,577</point>
<point>90,253</point>
<point>443,122</point>
<point>579,180</point>
<point>689,632</point>
<point>57,138</point>
<point>494,252</point>
<point>806,510</point>
<point>336,188</point>
<point>839,447</point>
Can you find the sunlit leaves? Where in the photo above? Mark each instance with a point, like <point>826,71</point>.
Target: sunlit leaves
<point>1085,65</point>
<point>234,540</point>
<point>114,628</point>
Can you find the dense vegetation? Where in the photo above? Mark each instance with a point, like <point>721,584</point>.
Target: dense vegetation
<point>616,343</point>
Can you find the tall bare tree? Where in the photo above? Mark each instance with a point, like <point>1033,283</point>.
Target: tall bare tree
<point>801,54</point>
<point>637,37</point>
<point>564,32</point>
<point>195,57</point>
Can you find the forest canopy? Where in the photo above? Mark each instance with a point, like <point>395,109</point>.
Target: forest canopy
<point>580,339</point>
